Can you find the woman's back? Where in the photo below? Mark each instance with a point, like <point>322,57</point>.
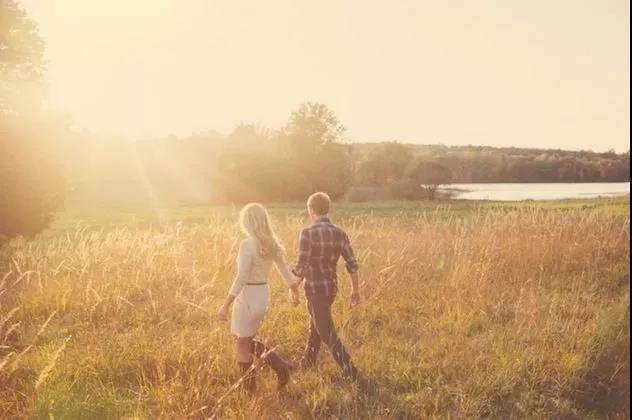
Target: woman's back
<point>259,266</point>
<point>253,268</point>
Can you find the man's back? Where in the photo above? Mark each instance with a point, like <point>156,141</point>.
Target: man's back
<point>320,247</point>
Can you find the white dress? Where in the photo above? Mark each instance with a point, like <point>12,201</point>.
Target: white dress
<point>250,288</point>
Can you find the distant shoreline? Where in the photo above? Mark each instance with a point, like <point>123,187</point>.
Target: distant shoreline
<point>525,191</point>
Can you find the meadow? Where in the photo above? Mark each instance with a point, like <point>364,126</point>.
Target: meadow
<point>470,310</point>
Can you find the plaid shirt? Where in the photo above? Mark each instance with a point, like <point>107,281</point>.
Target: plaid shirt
<point>320,248</point>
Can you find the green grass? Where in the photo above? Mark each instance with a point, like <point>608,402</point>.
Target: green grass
<point>470,310</point>
<point>86,214</point>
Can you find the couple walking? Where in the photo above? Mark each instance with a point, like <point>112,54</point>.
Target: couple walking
<point>320,247</point>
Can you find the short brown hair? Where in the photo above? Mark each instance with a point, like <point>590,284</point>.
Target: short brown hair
<point>319,203</point>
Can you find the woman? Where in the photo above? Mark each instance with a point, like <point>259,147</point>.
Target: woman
<point>250,293</point>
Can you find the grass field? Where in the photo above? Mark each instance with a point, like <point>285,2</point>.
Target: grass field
<point>470,310</point>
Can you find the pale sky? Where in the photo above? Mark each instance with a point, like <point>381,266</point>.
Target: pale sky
<point>538,73</point>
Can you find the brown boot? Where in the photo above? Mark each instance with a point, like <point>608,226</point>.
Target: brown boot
<point>278,365</point>
<point>249,380</point>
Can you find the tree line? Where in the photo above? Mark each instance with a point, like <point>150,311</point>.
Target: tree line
<point>392,167</point>
<point>308,153</point>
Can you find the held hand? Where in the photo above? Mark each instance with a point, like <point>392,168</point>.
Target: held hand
<point>293,297</point>
<point>354,298</point>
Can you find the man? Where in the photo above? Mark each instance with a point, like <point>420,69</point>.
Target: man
<point>320,248</point>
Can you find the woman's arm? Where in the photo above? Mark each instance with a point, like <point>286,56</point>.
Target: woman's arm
<point>225,308</point>
<point>290,279</point>
<point>244,267</point>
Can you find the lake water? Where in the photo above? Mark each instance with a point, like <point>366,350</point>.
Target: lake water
<point>548,191</point>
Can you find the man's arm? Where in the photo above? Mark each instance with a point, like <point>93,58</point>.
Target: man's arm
<point>351,263</point>
<point>354,298</point>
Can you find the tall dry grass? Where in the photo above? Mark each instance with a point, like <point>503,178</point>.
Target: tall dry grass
<point>498,314</point>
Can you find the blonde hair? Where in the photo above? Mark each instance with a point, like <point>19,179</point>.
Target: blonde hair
<point>319,203</point>
<point>255,222</point>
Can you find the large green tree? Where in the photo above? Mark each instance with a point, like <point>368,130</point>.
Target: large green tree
<point>313,125</point>
<point>31,186</point>
<point>307,155</point>
<point>21,61</point>
<point>317,156</point>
